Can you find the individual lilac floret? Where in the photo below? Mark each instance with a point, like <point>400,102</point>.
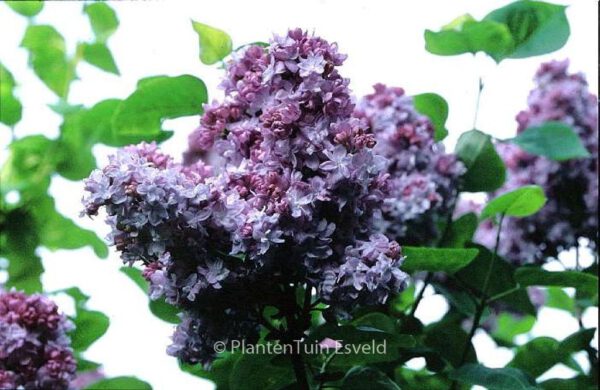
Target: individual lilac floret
<point>34,346</point>
<point>293,186</point>
<point>423,184</point>
<point>571,186</point>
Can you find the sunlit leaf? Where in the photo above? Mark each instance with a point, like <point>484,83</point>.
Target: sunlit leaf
<point>103,20</point>
<point>11,108</point>
<point>522,202</point>
<point>467,35</point>
<point>435,108</point>
<point>26,8</point>
<point>536,27</point>
<point>99,55</point>
<point>214,44</point>
<point>47,56</point>
<point>140,116</point>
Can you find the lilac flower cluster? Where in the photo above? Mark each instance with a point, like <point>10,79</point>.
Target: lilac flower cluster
<point>34,346</point>
<point>424,179</point>
<point>570,186</point>
<point>288,200</point>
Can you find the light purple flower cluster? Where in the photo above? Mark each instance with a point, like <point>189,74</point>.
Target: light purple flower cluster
<point>34,346</point>
<point>289,199</point>
<point>424,179</point>
<point>571,186</point>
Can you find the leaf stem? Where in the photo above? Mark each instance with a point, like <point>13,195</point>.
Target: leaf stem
<point>477,101</point>
<point>421,293</point>
<point>483,302</point>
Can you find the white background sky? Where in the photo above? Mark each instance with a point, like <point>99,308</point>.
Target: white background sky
<point>384,40</point>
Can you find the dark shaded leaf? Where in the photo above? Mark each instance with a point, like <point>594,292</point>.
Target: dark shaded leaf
<point>257,372</point>
<point>360,378</point>
<point>485,168</point>
<point>460,231</point>
<point>535,276</point>
<point>493,378</point>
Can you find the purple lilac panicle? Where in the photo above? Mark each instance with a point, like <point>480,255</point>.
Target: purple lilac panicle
<point>570,186</point>
<point>424,179</point>
<point>34,346</point>
<point>289,198</point>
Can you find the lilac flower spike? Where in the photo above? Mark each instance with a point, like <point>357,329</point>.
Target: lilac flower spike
<point>571,186</point>
<point>34,346</point>
<point>289,198</point>
<point>423,178</point>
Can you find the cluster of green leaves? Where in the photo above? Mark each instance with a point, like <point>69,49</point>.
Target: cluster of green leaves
<point>28,217</point>
<point>521,29</point>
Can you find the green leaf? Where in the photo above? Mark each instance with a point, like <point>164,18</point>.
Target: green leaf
<point>103,20</point>
<point>419,380</point>
<point>257,372</point>
<point>403,301</point>
<point>535,276</point>
<point>502,280</point>
<point>436,108</point>
<point>26,8</point>
<point>557,298</point>
<point>448,260</point>
<point>580,382</point>
<point>537,356</point>
<point>485,168</point>
<point>360,378</point>
<point>29,166</point>
<point>90,325</point>
<point>522,202</point>
<point>219,372</point>
<point>158,307</point>
<point>120,383</point>
<point>84,365</point>
<point>47,56</point>
<point>535,26</point>
<point>99,55</point>
<point>493,378</point>
<point>460,231</point>
<point>448,339</point>
<point>509,325</point>
<point>11,108</point>
<point>554,140</point>
<point>59,232</point>
<point>466,35</point>
<point>358,338</point>
<point>19,239</point>
<point>214,44</point>
<point>576,342</point>
<point>139,117</point>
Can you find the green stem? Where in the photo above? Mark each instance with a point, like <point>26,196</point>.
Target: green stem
<point>483,302</point>
<point>479,90</point>
<point>421,293</point>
